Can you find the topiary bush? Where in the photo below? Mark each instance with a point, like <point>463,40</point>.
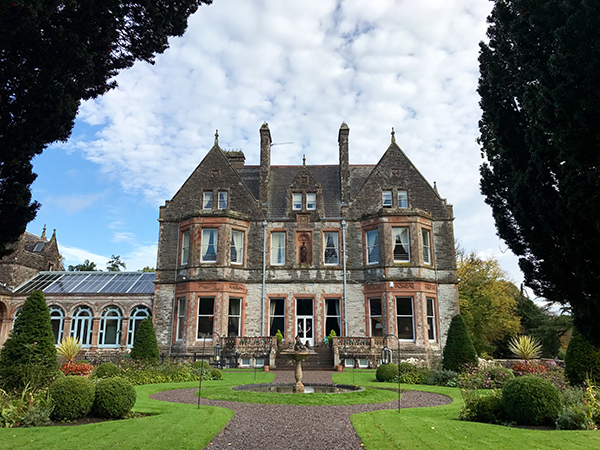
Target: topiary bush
<point>530,400</point>
<point>405,367</point>
<point>459,351</point>
<point>114,398</point>
<point>202,364</point>
<point>387,372</point>
<point>145,346</point>
<point>106,370</point>
<point>72,397</point>
<point>582,360</point>
<point>28,356</point>
<point>216,374</point>
<point>486,408</point>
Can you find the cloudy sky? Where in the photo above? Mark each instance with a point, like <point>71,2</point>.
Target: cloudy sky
<point>302,66</point>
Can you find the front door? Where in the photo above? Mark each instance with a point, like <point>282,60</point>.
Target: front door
<point>304,320</point>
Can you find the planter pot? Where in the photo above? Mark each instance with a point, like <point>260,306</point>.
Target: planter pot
<point>266,368</point>
<point>339,368</point>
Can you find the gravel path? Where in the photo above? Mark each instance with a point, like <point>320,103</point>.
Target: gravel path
<point>289,427</point>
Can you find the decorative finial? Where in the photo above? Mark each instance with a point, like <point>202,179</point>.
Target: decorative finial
<point>435,188</point>
<point>393,136</point>
<point>217,137</point>
<point>44,232</point>
<point>303,160</point>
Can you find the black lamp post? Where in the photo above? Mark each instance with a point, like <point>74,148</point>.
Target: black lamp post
<point>386,358</point>
<point>217,351</point>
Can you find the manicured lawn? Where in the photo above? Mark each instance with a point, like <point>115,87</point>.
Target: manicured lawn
<point>437,428</point>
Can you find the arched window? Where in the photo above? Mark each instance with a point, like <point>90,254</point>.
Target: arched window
<point>81,326</point>
<point>110,327</point>
<point>57,319</point>
<point>17,312</point>
<point>138,314</point>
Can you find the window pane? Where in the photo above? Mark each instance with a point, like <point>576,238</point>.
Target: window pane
<point>404,306</point>
<point>209,245</point>
<point>237,246</point>
<point>304,307</point>
<point>206,305</point>
<point>311,201</point>
<point>207,200</point>
<point>222,200</point>
<point>402,199</point>
<point>331,248</point>
<point>426,247</point>
<point>277,249</point>
<point>276,324</point>
<point>401,244</point>
<point>372,247</point>
<point>297,201</point>
<point>376,319</point>
<point>185,247</point>
<point>405,317</point>
<point>387,198</point>
<point>431,320</point>
<point>205,317</point>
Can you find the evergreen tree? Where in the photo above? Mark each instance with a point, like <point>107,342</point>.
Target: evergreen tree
<point>145,345</point>
<point>28,356</point>
<point>539,78</point>
<point>459,350</point>
<point>582,360</point>
<point>53,55</point>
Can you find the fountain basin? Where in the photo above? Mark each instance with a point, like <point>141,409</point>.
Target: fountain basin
<point>309,388</point>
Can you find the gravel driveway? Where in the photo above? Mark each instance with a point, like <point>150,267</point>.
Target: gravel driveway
<point>288,427</point>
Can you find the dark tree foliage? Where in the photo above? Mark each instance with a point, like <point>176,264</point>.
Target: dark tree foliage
<point>29,355</point>
<point>86,266</point>
<point>582,361</point>
<point>145,345</point>
<point>53,54</point>
<point>115,264</point>
<point>540,135</point>
<point>459,350</point>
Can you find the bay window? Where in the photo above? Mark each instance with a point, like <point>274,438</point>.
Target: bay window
<point>401,244</point>
<point>426,246</point>
<point>209,244</point>
<point>372,247</point>
<point>237,247</point>
<point>206,316</point>
<point>404,309</point>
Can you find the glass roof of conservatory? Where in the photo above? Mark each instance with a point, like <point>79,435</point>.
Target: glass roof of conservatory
<point>90,283</point>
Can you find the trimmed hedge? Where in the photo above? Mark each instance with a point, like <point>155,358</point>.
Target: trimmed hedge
<point>106,370</point>
<point>387,372</point>
<point>145,345</point>
<point>459,351</point>
<point>72,397</point>
<point>582,360</point>
<point>531,400</point>
<point>114,398</point>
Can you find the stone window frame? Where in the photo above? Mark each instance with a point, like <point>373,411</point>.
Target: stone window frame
<point>300,202</point>
<point>242,250</point>
<point>135,317</point>
<point>180,318</point>
<point>105,317</point>
<point>324,241</point>
<point>404,316</point>
<point>61,322</point>
<point>211,316</point>
<point>204,246</point>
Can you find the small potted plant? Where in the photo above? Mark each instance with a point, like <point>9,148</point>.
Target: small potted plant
<point>279,337</point>
<point>332,334</point>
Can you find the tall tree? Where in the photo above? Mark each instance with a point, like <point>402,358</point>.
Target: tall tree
<point>486,303</point>
<point>115,264</point>
<point>86,266</point>
<point>53,54</point>
<point>539,81</point>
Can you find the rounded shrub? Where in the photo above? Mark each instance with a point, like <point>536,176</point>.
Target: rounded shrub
<point>72,397</point>
<point>106,370</point>
<point>459,350</point>
<point>530,400</point>
<point>582,360</point>
<point>216,374</point>
<point>202,364</point>
<point>114,398</point>
<point>405,367</point>
<point>387,372</point>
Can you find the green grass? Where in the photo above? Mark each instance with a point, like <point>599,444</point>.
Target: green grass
<point>438,428</point>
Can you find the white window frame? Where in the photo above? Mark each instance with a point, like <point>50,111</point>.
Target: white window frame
<point>273,316</point>
<point>431,319</point>
<point>402,233</point>
<point>57,315</point>
<point>207,200</point>
<point>237,248</point>
<point>375,316</point>
<point>386,199</point>
<point>296,201</point>
<point>207,234</point>
<point>402,199</point>
<point>223,200</point>
<point>210,316</point>
<point>82,324</point>
<point>237,316</point>
<point>278,244</point>
<point>372,246</point>
<point>363,363</point>
<point>138,313</point>
<point>185,248</point>
<point>337,316</point>
<point>426,237</point>
<point>110,314</point>
<point>311,201</point>
<point>335,239</point>
<point>405,316</point>
<point>179,328</point>
<point>349,362</point>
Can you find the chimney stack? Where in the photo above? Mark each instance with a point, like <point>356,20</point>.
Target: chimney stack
<point>344,165</point>
<point>265,163</point>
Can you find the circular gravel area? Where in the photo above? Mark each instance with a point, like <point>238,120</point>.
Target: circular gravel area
<point>289,427</point>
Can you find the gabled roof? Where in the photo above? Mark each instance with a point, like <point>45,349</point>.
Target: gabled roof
<point>90,283</point>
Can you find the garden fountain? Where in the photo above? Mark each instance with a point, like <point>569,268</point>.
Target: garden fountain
<point>298,354</point>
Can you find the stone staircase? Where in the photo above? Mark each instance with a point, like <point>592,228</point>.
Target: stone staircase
<point>321,360</point>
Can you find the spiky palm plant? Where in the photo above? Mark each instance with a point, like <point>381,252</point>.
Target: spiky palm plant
<point>68,348</point>
<point>525,347</point>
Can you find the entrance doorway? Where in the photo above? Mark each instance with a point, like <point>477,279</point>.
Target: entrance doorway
<point>304,320</point>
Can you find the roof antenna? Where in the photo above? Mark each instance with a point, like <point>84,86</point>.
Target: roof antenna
<point>393,136</point>
<point>217,137</point>
<point>303,160</point>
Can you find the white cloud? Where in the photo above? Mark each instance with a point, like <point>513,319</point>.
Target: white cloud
<point>73,256</point>
<point>74,203</point>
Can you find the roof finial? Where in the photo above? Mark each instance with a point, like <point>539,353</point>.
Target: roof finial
<point>435,188</point>
<point>216,137</point>
<point>393,136</point>
<point>44,232</point>
<point>303,160</point>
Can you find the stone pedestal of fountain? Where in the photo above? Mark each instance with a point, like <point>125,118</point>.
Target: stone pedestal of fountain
<point>298,356</point>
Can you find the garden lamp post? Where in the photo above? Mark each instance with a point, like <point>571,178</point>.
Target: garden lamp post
<point>386,358</point>
<point>217,351</point>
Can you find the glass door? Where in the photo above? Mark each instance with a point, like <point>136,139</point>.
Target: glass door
<point>304,320</point>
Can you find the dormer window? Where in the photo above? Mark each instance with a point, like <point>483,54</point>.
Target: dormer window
<point>387,199</point>
<point>207,201</point>
<point>311,201</point>
<point>297,201</point>
<point>222,200</point>
<point>402,199</point>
